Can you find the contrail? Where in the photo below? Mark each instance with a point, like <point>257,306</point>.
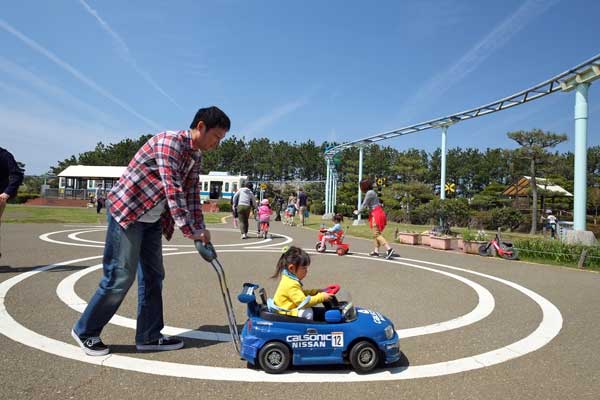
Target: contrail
<point>274,115</point>
<point>78,75</point>
<point>470,61</point>
<point>125,53</point>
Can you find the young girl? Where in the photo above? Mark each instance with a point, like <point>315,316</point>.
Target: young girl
<point>290,298</point>
<point>290,212</point>
<point>264,213</point>
<point>333,231</point>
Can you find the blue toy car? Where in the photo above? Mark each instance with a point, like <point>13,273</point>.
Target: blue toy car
<point>346,334</point>
<point>340,333</point>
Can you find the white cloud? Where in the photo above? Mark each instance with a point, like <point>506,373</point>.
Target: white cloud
<point>40,138</point>
<point>46,90</point>
<point>125,53</point>
<point>74,72</point>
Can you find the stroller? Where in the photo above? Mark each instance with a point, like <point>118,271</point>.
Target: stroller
<point>337,240</point>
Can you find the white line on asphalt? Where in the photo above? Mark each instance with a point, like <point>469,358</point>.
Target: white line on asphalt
<point>97,244</point>
<point>548,328</point>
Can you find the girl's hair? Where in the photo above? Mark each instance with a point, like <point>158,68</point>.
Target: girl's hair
<point>294,255</point>
<point>338,217</point>
<point>366,185</point>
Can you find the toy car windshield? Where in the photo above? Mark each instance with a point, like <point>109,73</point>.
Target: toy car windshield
<point>346,306</point>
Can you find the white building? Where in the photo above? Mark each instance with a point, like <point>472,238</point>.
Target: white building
<point>83,180</point>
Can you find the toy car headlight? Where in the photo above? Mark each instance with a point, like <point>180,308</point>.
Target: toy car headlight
<point>389,332</point>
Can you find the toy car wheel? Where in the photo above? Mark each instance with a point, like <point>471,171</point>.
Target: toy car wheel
<point>274,357</point>
<point>364,356</point>
<point>318,248</point>
<point>340,251</point>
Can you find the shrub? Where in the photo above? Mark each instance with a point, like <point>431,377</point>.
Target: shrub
<point>506,217</point>
<point>481,220</point>
<point>344,209</point>
<point>421,215</point>
<point>469,235</point>
<point>224,206</point>
<point>457,212</point>
<point>557,251</point>
<point>22,197</point>
<point>317,208</point>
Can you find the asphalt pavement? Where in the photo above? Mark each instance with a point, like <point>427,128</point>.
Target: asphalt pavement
<point>471,327</point>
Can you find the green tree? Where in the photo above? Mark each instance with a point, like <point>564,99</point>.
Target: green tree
<point>533,148</point>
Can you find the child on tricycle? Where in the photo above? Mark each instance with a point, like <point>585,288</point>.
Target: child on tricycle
<point>334,236</point>
<point>264,217</point>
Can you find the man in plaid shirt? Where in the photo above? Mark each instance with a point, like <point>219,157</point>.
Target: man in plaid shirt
<point>159,189</point>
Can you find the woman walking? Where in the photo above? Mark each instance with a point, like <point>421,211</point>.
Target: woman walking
<point>377,218</point>
<point>244,203</point>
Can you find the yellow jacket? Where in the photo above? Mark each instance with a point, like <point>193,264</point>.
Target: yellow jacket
<point>289,295</point>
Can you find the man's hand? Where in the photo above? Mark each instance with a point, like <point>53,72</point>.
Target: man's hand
<point>203,235</point>
<point>4,198</point>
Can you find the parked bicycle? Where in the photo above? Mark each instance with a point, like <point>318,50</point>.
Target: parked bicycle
<point>503,249</point>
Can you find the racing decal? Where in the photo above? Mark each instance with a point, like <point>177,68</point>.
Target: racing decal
<point>317,340</point>
<point>337,339</point>
<point>377,317</point>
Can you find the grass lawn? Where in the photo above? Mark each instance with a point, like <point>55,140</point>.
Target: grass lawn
<point>21,214</point>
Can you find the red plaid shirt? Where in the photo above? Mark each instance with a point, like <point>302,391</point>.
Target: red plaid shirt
<point>166,166</point>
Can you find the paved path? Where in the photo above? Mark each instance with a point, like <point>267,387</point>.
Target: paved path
<point>471,327</point>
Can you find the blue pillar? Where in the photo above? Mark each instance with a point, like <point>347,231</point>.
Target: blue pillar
<point>327,185</point>
<point>443,172</point>
<point>581,117</point>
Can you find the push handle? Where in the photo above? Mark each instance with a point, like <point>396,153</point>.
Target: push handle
<point>206,250</point>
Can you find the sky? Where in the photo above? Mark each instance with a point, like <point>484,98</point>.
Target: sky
<point>77,72</point>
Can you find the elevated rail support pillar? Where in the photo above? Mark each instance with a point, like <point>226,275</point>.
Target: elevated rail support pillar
<point>443,166</point>
<point>327,186</point>
<point>580,82</point>
<point>580,187</point>
<point>358,221</point>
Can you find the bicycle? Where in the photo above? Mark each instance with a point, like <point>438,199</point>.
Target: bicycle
<point>503,249</point>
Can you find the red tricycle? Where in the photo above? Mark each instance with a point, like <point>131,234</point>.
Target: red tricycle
<point>337,240</point>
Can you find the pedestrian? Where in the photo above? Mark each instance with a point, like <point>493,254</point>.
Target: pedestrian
<point>99,204</point>
<point>551,222</point>
<point>11,177</point>
<point>279,201</point>
<point>160,189</point>
<point>244,202</point>
<point>100,199</point>
<point>234,212</point>
<point>302,205</point>
<point>377,218</point>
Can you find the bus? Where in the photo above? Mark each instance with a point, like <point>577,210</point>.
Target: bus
<point>220,185</point>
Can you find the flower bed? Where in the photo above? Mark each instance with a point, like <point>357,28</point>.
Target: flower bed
<point>440,242</point>
<point>408,238</point>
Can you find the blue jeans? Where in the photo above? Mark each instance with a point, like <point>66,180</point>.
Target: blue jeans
<point>139,247</point>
